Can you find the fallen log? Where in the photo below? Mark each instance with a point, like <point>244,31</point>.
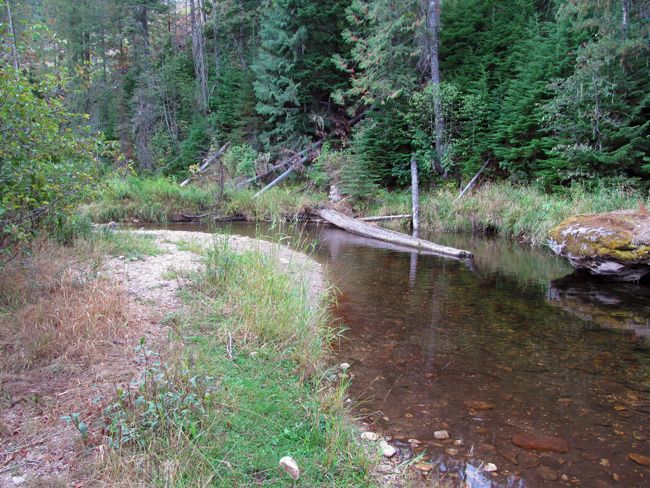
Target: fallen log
<point>378,218</point>
<point>286,174</point>
<point>282,164</point>
<point>291,160</point>
<point>356,226</point>
<point>473,181</point>
<point>207,162</point>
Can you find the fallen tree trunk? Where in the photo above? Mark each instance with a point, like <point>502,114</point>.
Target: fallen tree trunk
<point>207,162</point>
<point>298,156</point>
<point>473,181</point>
<point>282,164</point>
<point>378,218</point>
<point>356,226</point>
<point>286,174</point>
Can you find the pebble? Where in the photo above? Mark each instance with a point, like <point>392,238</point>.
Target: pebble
<point>18,480</point>
<point>414,441</point>
<point>451,451</point>
<point>289,466</point>
<point>490,468</point>
<point>369,436</point>
<point>639,459</point>
<point>479,405</point>
<point>547,474</point>
<point>441,434</point>
<point>425,467</point>
<point>387,450</point>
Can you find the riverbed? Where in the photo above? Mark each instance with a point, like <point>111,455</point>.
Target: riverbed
<point>507,343</point>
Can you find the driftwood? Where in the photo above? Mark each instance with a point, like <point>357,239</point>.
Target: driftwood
<point>356,226</point>
<point>207,162</point>
<point>473,181</point>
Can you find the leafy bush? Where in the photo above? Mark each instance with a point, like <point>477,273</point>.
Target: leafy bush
<point>45,167</point>
<point>240,160</point>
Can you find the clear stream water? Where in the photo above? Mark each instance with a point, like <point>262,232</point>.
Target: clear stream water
<point>549,352</point>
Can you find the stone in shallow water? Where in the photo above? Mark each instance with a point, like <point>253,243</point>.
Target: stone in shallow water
<point>639,459</point>
<point>614,244</point>
<point>441,435</point>
<point>547,474</point>
<point>479,405</point>
<point>540,442</point>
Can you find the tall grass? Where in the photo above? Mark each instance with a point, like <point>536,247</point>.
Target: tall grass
<point>148,200</point>
<point>522,212</point>
<point>161,200</point>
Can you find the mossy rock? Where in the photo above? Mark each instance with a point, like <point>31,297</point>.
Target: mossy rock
<point>614,244</point>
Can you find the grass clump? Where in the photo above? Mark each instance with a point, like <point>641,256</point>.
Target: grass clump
<point>254,343</point>
<point>107,242</point>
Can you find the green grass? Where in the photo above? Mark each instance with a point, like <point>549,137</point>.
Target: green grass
<point>247,389</point>
<point>127,244</point>
<point>148,200</point>
<point>159,200</point>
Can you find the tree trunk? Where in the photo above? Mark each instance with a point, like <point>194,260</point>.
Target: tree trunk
<point>625,18</point>
<point>198,52</point>
<point>433,23</point>
<point>144,117</point>
<point>360,228</point>
<point>215,30</point>
<point>415,194</point>
<point>12,31</point>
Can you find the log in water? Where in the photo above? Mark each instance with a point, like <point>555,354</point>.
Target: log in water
<point>361,228</point>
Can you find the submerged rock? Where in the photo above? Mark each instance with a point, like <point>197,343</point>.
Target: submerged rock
<point>615,244</point>
<point>540,442</point>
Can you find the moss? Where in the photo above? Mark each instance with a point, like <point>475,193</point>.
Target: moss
<point>613,235</point>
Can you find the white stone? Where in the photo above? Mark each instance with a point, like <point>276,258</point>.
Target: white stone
<point>289,466</point>
<point>387,450</point>
<point>490,468</point>
<point>18,480</point>
<point>369,436</point>
<point>441,435</point>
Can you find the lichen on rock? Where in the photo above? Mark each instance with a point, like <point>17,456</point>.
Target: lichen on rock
<point>614,244</point>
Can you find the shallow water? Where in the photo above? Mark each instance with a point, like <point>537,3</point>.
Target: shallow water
<point>489,348</point>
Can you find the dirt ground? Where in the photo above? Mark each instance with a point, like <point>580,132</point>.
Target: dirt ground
<point>37,448</point>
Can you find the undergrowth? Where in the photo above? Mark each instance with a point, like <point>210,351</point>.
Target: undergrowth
<point>248,389</point>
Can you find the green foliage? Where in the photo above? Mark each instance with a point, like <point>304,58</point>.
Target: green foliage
<point>165,400</point>
<point>240,160</point>
<point>294,71</point>
<point>45,167</point>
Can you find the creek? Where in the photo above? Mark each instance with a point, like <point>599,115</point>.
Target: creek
<point>507,343</point>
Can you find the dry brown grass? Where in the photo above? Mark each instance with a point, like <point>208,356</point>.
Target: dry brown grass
<point>57,313</point>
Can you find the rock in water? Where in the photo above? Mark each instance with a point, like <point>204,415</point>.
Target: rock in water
<point>540,442</point>
<point>615,244</point>
<point>289,466</point>
<point>441,435</point>
<point>639,459</point>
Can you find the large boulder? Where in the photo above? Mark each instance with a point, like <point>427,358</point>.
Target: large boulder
<point>615,244</point>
